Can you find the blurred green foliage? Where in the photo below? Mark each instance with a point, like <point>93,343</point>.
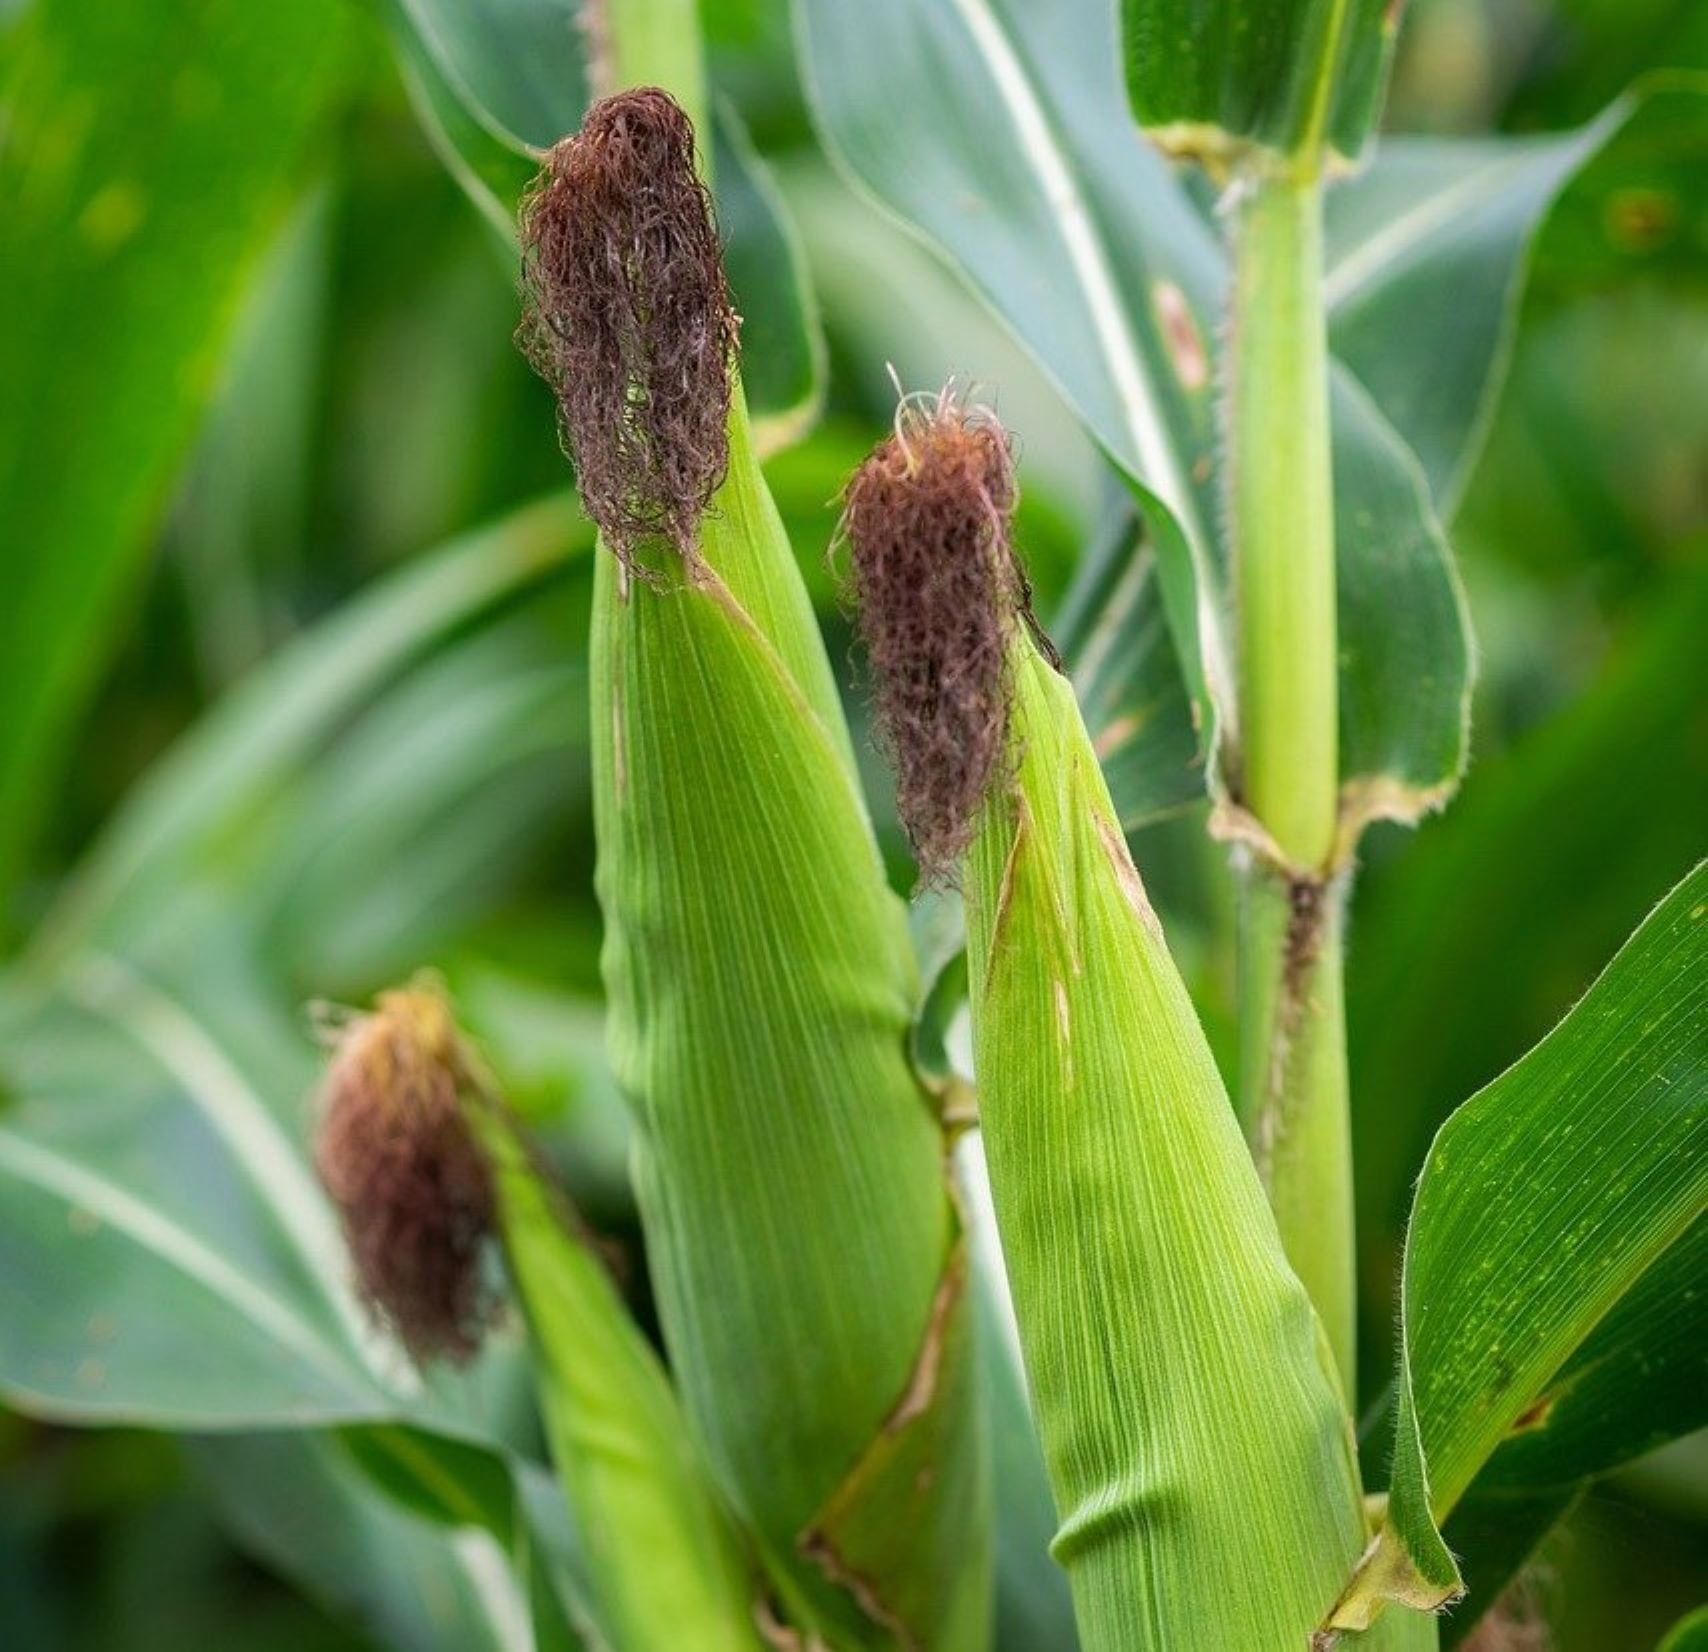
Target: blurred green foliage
<point>255,352</point>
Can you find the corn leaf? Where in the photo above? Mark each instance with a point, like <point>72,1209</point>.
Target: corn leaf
<point>371,1523</point>
<point>155,1201</point>
<point>245,753</point>
<point>1126,675</point>
<point>1545,1203</point>
<point>1538,916</point>
<point>1090,252</point>
<point>136,207</point>
<point>1001,135</point>
<point>761,991</point>
<point>1218,81</point>
<point>155,1072</point>
<point>496,83</point>
<point>1426,250</point>
<point>1689,1634</point>
<point>493,1510</point>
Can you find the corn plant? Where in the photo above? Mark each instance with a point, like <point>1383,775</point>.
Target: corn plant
<point>409,1364</point>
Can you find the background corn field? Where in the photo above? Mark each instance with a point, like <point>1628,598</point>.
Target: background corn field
<point>295,693</point>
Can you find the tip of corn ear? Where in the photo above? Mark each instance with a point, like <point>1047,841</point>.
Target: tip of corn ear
<point>937,590</point>
<point>627,316</point>
<point>412,1189</point>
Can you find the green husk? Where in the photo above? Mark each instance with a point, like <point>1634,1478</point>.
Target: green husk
<point>1192,1424</point>
<point>790,1169</point>
<point>666,1562</point>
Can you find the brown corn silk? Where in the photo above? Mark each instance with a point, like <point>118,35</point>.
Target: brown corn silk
<point>413,1192</point>
<point>628,318</point>
<point>425,1164</point>
<point>936,576</point>
<point>790,1169</point>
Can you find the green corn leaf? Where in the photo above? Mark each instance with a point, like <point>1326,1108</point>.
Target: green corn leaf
<point>156,1201</point>
<point>492,168</point>
<point>137,204</point>
<point>497,83</point>
<point>1637,1381</point>
<point>761,991</point>
<point>1191,1422</point>
<point>255,741</point>
<point>1079,237</point>
<point>1544,1203</point>
<point>383,1541</point>
<point>473,1494</point>
<point>1426,251</point>
<point>1225,82</point>
<point>1126,675</point>
<point>1537,916</point>
<point>1689,1634</point>
<point>447,782</point>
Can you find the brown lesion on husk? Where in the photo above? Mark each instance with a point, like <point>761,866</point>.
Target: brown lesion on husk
<point>937,591</point>
<point>627,316</point>
<point>778,1634</point>
<point>413,1191</point>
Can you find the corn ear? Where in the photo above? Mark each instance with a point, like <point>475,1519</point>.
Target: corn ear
<point>790,1169</point>
<point>1196,1441</point>
<point>426,1165</point>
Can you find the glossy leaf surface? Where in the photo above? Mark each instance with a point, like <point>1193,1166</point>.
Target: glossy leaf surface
<point>1547,1204</point>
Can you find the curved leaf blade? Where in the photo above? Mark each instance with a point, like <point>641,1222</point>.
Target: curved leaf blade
<point>1639,1380</point>
<point>519,67</point>
<point>1544,1202</point>
<point>134,1232</point>
<point>253,741</point>
<point>303,1504</point>
<point>1426,254</point>
<point>999,134</point>
<point>135,211</point>
<point>1127,677</point>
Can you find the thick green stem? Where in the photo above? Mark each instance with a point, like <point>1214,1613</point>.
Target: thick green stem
<point>1292,1085</point>
<point>1283,520</point>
